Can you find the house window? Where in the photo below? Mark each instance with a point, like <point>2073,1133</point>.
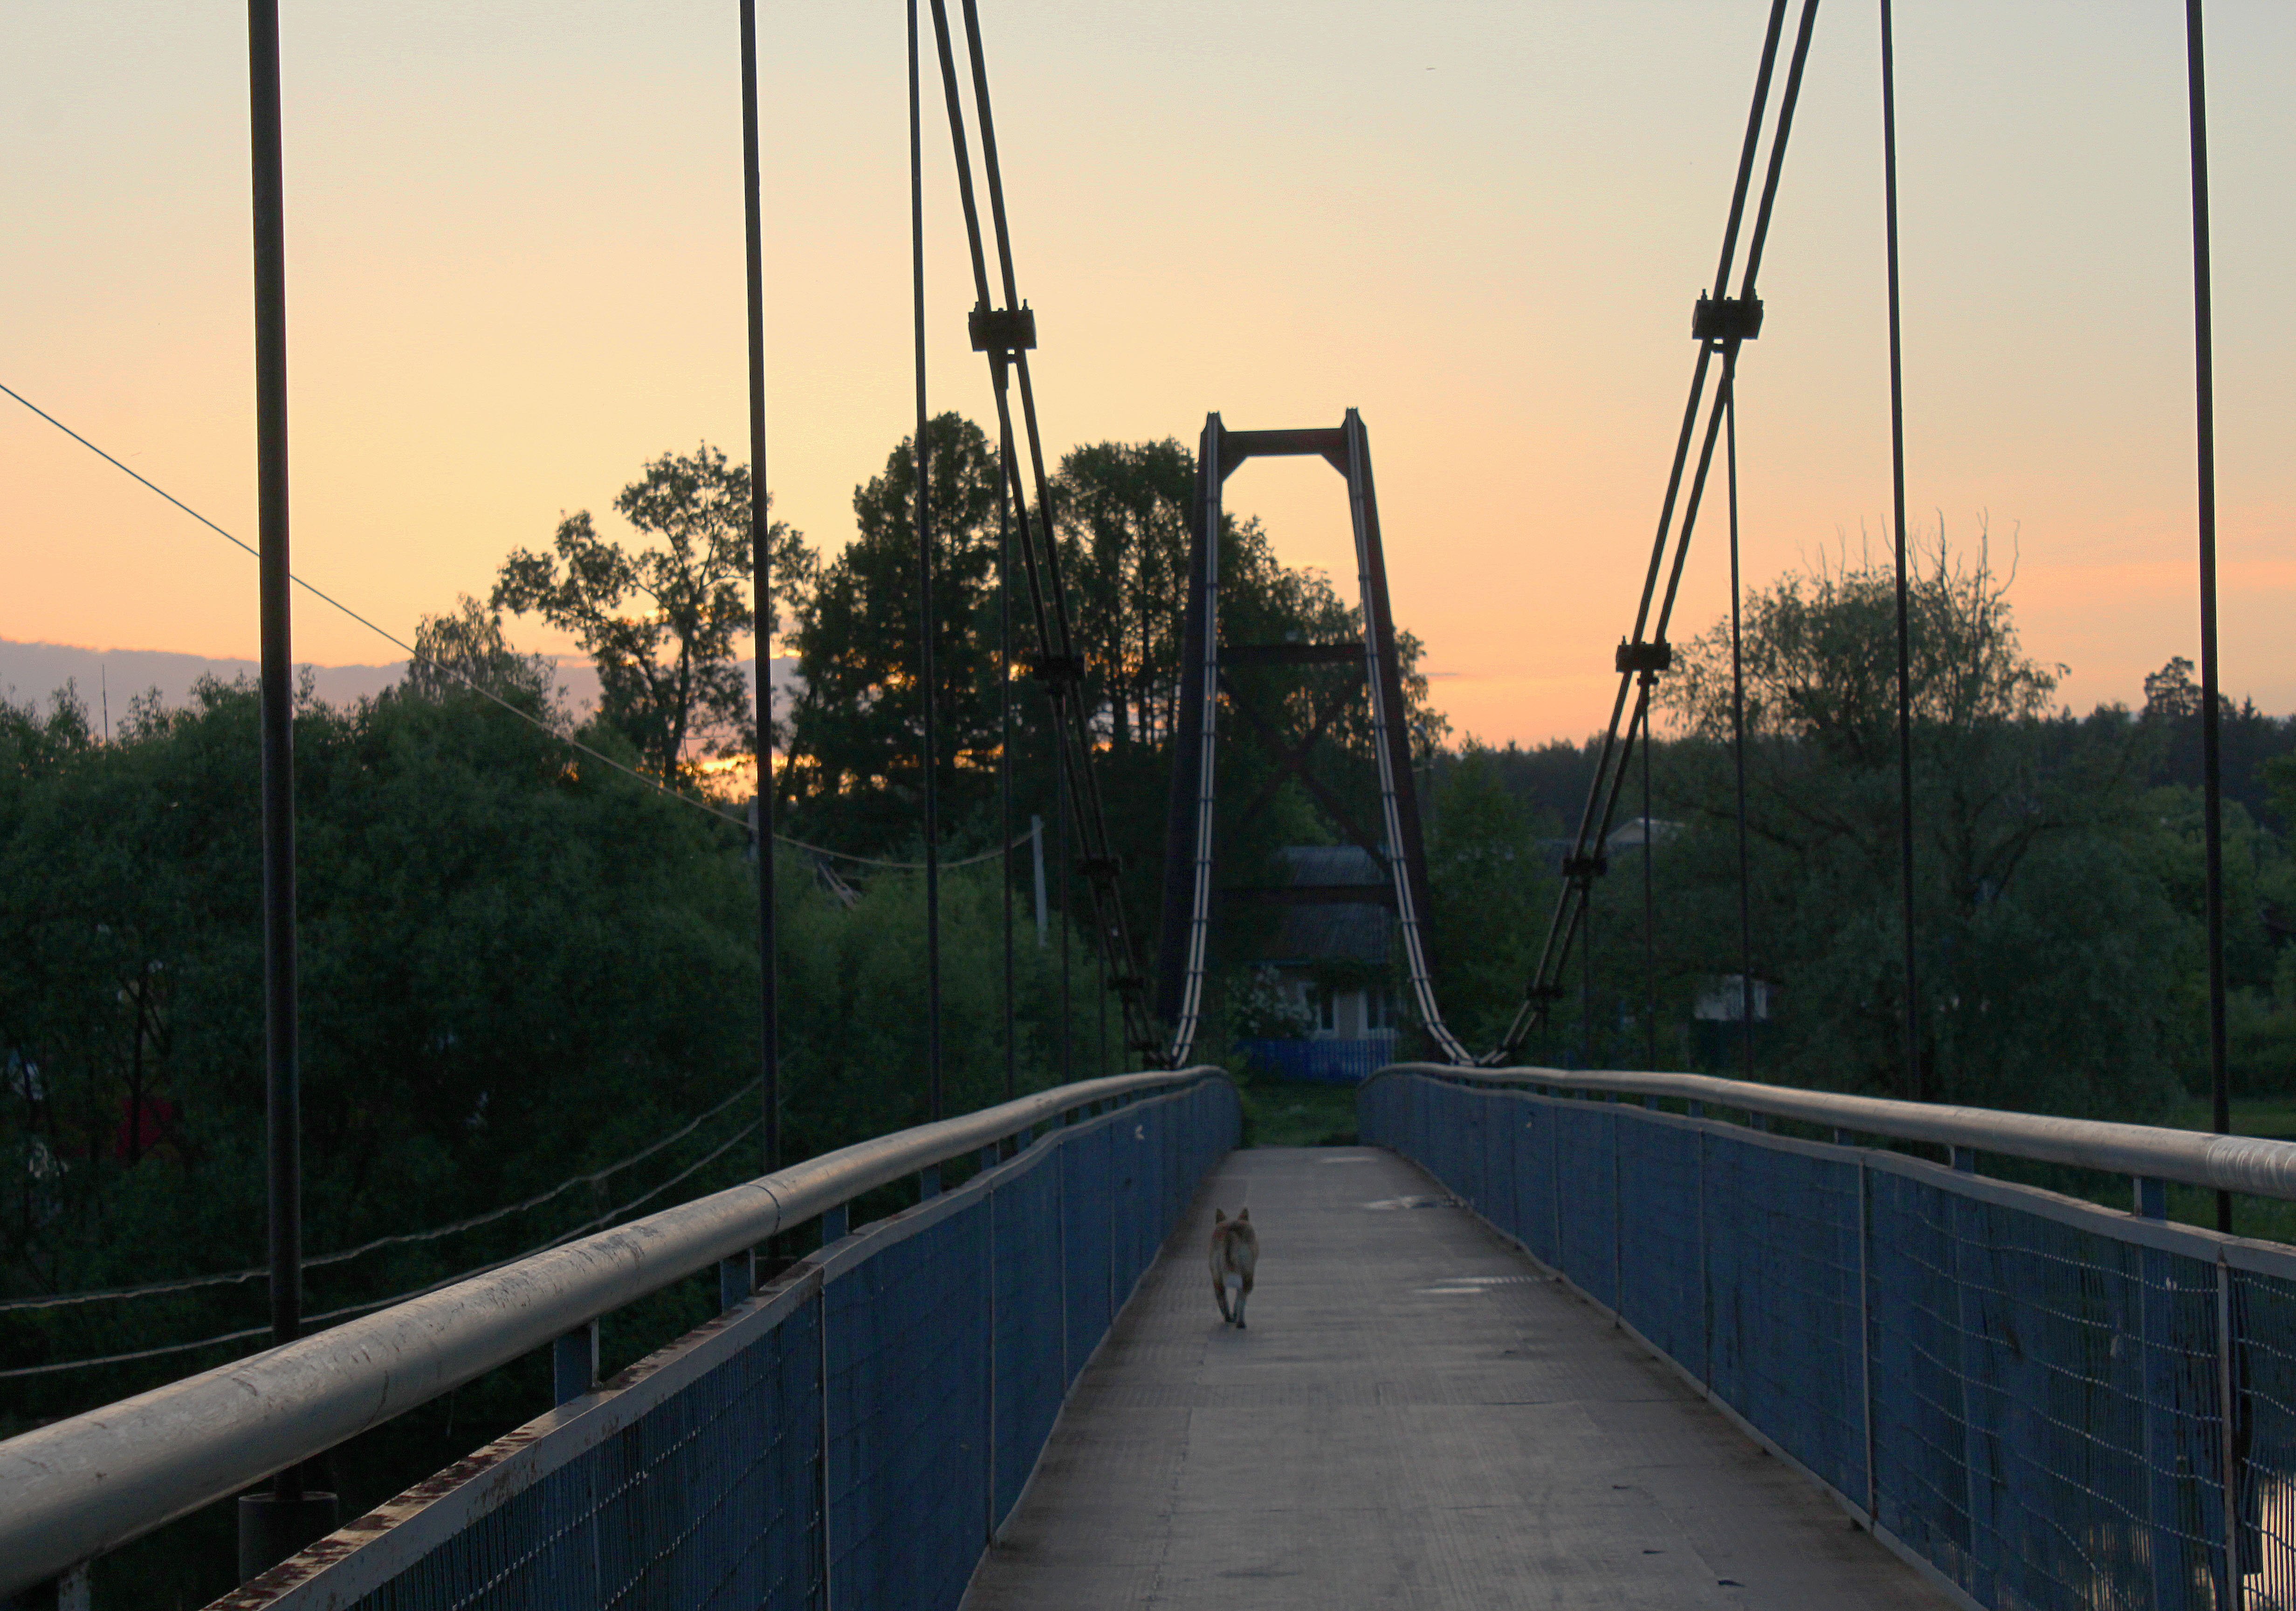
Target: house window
<point>1326,1011</point>
<point>1379,1008</point>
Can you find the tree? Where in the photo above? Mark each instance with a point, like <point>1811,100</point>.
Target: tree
<point>666,671</point>
<point>1125,517</point>
<point>2045,934</point>
<point>465,648</point>
<point>1491,887</point>
<point>856,729</point>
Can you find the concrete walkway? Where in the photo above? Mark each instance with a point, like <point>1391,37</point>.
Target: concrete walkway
<point>1414,1418</point>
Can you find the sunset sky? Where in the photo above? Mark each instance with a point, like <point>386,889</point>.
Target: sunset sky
<point>515,274</point>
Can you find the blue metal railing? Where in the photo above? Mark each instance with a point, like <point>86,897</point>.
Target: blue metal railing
<point>851,1435</point>
<point>2026,1395</point>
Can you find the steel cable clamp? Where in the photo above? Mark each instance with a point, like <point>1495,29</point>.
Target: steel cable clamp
<point>1003,331</point>
<point>1649,659</point>
<point>1727,320</point>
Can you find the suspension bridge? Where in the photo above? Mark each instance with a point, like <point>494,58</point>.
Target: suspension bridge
<point>1586,1337</point>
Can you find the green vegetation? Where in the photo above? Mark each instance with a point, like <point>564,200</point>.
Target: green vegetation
<point>1297,1112</point>
<point>2058,887</point>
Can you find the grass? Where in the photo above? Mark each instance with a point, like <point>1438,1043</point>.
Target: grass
<point>1297,1112</point>
<point>2265,1217</point>
<point>2273,1117</point>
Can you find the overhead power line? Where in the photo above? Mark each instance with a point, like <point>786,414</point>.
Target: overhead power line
<point>232,1277</point>
<point>348,1310</point>
<point>472,683</point>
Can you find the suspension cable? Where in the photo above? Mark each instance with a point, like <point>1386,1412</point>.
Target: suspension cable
<point>2204,411</point>
<point>1007,335</point>
<point>1738,728</point>
<point>761,589</point>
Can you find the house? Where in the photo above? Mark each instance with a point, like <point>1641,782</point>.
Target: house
<point>1324,983</point>
<point>1718,1018</point>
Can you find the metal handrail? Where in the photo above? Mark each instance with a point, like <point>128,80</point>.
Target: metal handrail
<point>85,1485</point>
<point>2245,1163</point>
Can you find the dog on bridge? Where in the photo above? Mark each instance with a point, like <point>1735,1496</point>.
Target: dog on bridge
<point>1235,1254</point>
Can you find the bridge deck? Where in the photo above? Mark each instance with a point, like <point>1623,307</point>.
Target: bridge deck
<point>1412,1419</point>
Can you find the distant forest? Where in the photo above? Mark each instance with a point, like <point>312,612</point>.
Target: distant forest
<point>1550,780</point>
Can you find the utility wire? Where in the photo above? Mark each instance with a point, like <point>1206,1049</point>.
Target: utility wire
<point>348,1310</point>
<point>873,861</point>
<point>388,637</point>
<point>232,1277</point>
<point>473,683</point>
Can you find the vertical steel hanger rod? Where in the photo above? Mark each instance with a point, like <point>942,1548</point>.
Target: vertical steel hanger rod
<point>1913,1071</point>
<point>282,1075</point>
<point>926,689</point>
<point>2204,409</point>
<point>761,593</point>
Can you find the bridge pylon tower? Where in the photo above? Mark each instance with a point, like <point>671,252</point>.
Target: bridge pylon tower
<point>1191,894</point>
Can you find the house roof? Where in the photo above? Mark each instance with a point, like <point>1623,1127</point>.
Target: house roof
<point>1329,864</point>
<point>1350,932</point>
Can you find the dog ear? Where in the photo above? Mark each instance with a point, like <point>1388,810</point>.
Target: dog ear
<point>1242,1214</point>
<point>1219,1216</point>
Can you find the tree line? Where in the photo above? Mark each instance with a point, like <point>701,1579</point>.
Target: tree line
<point>2060,956</point>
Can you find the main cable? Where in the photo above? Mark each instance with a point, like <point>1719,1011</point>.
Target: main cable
<point>1006,336</point>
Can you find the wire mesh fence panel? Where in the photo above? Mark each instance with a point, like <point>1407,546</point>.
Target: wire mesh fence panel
<point>1495,1199</point>
<point>1533,1132</point>
<point>2028,1396</point>
<point>1086,1203</point>
<point>1031,1323</point>
<point>708,1501</point>
<point>908,1414</point>
<point>2264,1436</point>
<point>1588,1165</point>
<point>1663,1289</point>
<point>1784,1341</point>
<point>1915,1331</point>
<point>1124,1207</point>
<point>2046,1404</point>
